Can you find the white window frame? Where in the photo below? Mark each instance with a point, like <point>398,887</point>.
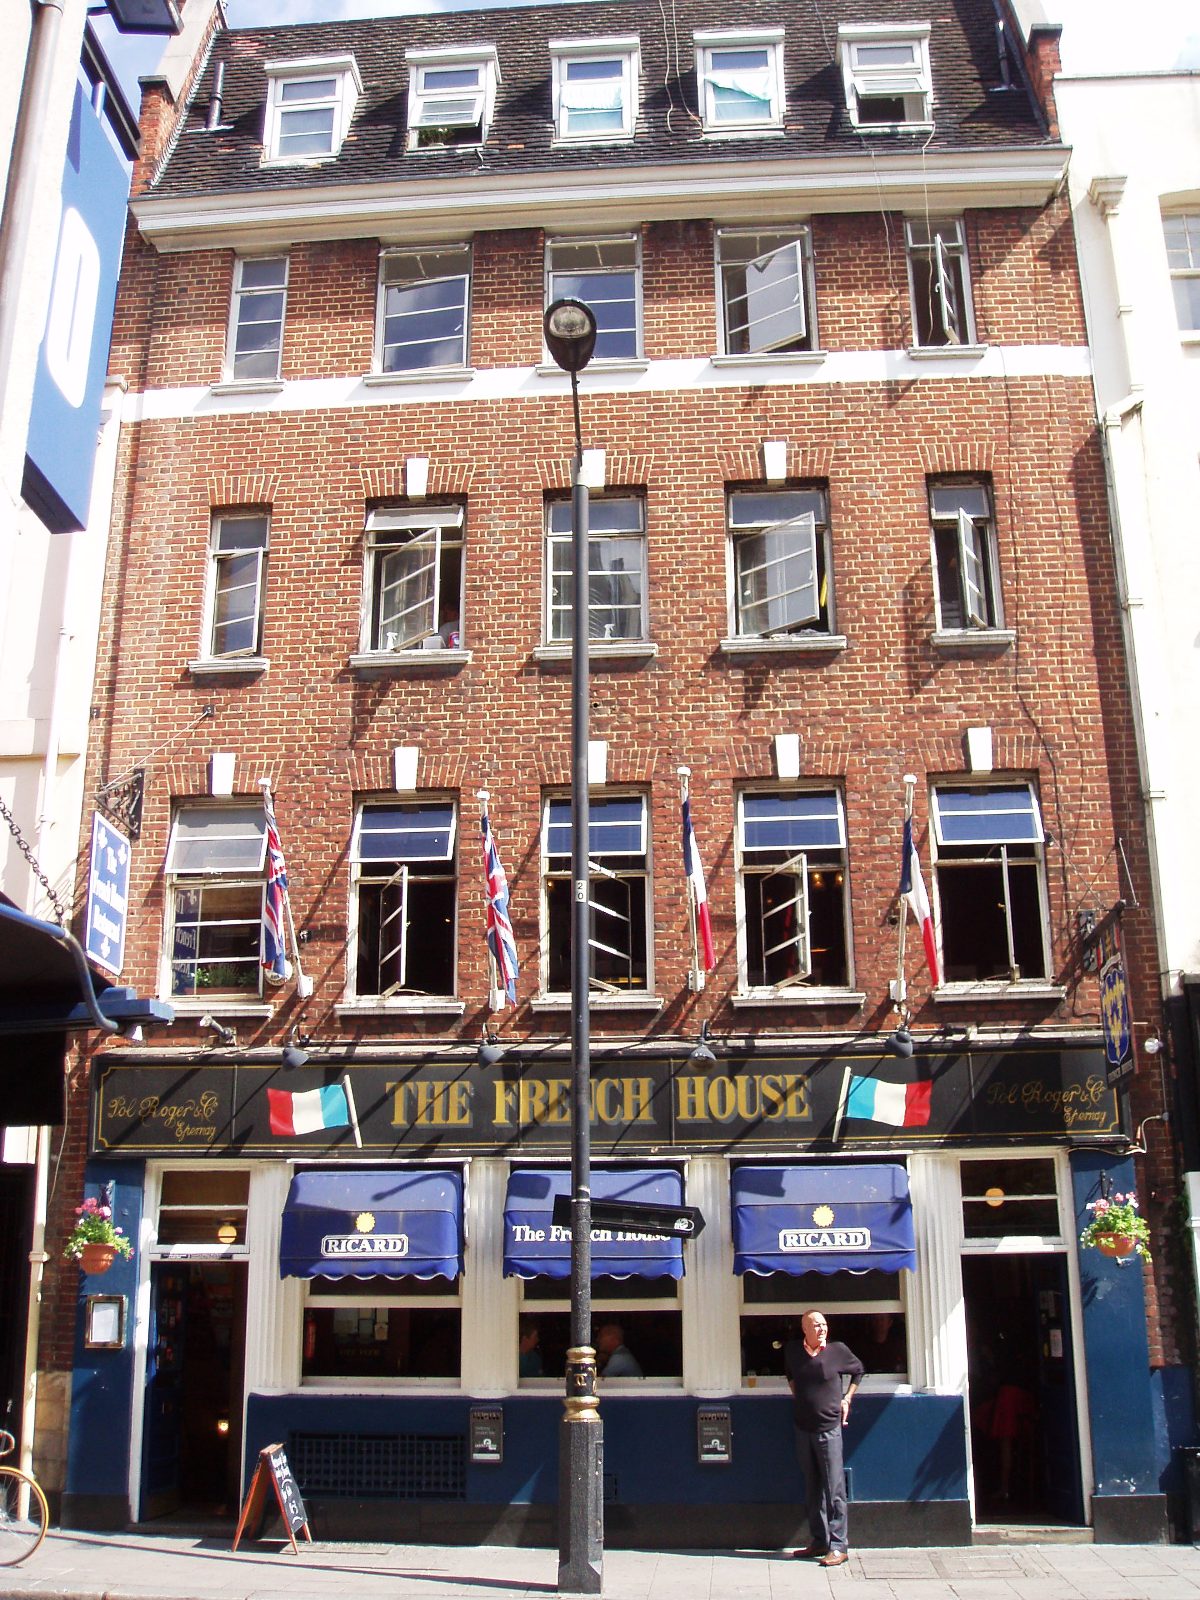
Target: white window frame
<point>216,1251</point>
<point>218,560</point>
<point>812,535</point>
<point>560,539</point>
<point>561,871</point>
<point>343,70</point>
<point>187,870</point>
<point>451,109</point>
<point>441,259</point>
<point>715,50</point>
<point>442,527</point>
<point>1183,263</point>
<point>867,79</point>
<point>364,871</point>
<point>241,307</point>
<point>747,863</point>
<point>768,246</point>
<point>948,262</point>
<point>560,286</point>
<point>979,596</point>
<point>567,54</point>
<point>989,853</point>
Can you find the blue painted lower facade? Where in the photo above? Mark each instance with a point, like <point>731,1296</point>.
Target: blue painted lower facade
<point>907,1454</point>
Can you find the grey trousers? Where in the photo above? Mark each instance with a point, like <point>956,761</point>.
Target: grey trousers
<point>820,1457</point>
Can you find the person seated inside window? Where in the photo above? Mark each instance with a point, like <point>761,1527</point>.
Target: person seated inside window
<point>529,1359</point>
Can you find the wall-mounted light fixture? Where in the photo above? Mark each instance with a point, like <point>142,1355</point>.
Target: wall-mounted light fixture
<point>490,1050</point>
<point>702,1053</point>
<point>224,1035</point>
<point>295,1051</point>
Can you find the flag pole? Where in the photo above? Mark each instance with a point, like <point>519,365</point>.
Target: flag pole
<point>304,984</point>
<point>696,976</point>
<point>900,995</point>
<point>496,993</point>
<point>352,1109</point>
<point>841,1110</point>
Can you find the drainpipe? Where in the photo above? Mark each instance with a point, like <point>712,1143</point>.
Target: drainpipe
<point>33,1324</point>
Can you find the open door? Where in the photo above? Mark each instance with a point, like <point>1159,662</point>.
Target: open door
<point>1021,1382</point>
<point>195,1363</point>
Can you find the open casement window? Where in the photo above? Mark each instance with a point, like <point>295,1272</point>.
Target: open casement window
<point>937,269</point>
<point>886,76</point>
<point>765,292</point>
<point>237,547</point>
<point>604,274</point>
<point>424,297</point>
<point>965,562</point>
<point>405,886</point>
<point>792,890</point>
<point>309,107</point>
<point>256,318</point>
<point>595,88</point>
<point>780,555</point>
<point>618,887</point>
<point>989,883</point>
<point>1181,232</point>
<point>214,873</point>
<point>414,578</point>
<point>616,569</point>
<point>451,96</point>
<point>740,79</point>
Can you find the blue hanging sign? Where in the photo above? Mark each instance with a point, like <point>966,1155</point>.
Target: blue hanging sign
<point>108,896</point>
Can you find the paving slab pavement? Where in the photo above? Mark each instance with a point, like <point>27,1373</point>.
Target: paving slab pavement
<point>137,1566</point>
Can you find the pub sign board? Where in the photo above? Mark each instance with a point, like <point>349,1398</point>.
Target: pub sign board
<point>187,1108</point>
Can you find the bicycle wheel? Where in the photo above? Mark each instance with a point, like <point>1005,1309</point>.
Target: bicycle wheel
<point>23,1516</point>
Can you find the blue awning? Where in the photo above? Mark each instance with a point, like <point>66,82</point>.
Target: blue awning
<point>822,1219</point>
<point>393,1222</point>
<point>535,1248</point>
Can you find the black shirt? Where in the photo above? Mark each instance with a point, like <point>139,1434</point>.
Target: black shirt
<point>817,1383</point>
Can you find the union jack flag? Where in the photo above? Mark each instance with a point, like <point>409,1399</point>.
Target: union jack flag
<point>499,929</point>
<point>276,968</point>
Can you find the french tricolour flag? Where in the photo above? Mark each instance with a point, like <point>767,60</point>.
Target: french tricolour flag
<point>912,888</point>
<point>695,876</point>
<point>308,1111</point>
<point>899,1105</point>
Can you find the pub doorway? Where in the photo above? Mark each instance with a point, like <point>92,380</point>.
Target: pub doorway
<point>195,1367</point>
<point>1021,1390</point>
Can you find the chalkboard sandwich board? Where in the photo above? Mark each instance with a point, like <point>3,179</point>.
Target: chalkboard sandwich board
<point>274,1469</point>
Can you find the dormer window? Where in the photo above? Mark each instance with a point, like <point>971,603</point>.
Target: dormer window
<point>886,74</point>
<point>451,95</point>
<point>309,106</point>
<point>595,88</point>
<point>740,79</point>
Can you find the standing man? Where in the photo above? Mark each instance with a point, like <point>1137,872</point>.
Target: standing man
<point>815,1369</point>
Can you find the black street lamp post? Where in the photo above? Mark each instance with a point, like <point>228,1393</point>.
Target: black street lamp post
<point>570,330</point>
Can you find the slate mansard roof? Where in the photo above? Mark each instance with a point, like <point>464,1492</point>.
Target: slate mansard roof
<point>972,109</point>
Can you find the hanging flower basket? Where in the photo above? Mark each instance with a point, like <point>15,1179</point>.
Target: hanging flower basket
<point>97,1258</point>
<point>1119,1245</point>
<point>95,1241</point>
<point>1117,1228</point>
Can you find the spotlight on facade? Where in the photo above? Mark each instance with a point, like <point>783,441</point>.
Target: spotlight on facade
<point>295,1051</point>
<point>900,1043</point>
<point>702,1054</point>
<point>490,1050</point>
<point>225,1036</point>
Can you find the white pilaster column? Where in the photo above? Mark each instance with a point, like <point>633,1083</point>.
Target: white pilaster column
<point>489,1301</point>
<point>709,1290</point>
<point>274,1305</point>
<point>936,1312</point>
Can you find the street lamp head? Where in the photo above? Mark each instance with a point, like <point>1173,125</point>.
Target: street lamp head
<point>570,329</point>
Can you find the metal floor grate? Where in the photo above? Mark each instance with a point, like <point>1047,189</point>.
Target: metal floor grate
<point>396,1466</point>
